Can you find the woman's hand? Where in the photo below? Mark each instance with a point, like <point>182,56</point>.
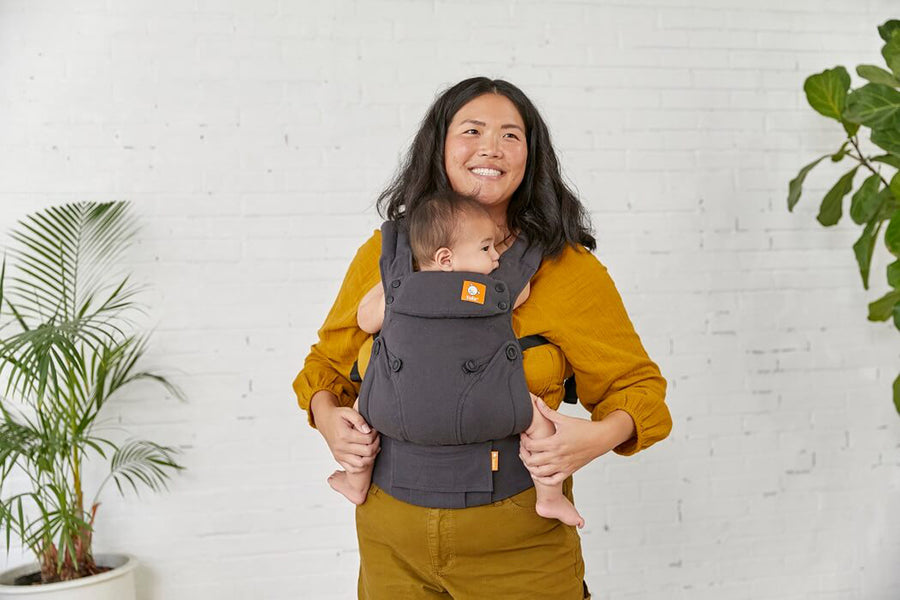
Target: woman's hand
<point>352,442</point>
<point>576,443</point>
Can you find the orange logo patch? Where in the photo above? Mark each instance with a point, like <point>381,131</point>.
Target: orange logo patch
<point>472,291</point>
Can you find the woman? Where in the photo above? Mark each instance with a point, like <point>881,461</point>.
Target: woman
<point>485,137</point>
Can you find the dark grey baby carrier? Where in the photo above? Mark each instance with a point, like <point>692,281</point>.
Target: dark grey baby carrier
<point>445,386</point>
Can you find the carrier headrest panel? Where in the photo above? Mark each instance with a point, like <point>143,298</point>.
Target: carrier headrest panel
<point>459,294</point>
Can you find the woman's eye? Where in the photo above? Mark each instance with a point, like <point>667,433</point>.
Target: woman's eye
<point>513,136</point>
<point>470,131</point>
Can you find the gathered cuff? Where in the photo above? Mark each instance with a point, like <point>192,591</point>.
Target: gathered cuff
<point>652,421</point>
<point>305,389</point>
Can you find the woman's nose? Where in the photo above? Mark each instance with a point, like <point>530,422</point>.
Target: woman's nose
<point>489,147</point>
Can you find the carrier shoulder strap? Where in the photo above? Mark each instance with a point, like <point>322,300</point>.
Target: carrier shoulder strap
<point>396,254</point>
<point>518,265</point>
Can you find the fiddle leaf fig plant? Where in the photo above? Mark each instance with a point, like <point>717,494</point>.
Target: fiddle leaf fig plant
<point>873,109</point>
<point>67,349</point>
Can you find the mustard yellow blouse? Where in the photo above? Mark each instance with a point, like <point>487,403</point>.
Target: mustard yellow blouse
<point>573,303</point>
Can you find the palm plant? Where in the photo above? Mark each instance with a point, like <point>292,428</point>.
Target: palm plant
<point>66,348</point>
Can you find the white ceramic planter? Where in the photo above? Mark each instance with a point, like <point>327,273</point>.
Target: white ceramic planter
<point>117,584</point>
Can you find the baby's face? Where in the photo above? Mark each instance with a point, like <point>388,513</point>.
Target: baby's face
<point>474,249</point>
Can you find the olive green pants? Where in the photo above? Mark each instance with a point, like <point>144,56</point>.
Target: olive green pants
<point>498,551</point>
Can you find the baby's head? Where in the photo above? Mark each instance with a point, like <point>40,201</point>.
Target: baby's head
<point>452,232</point>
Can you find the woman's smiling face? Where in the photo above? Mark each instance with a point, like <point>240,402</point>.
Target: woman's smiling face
<point>486,150</point>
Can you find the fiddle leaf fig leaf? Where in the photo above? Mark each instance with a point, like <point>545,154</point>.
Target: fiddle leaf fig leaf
<point>892,235</point>
<point>891,52</point>
<point>897,316</point>
<point>893,274</point>
<point>874,105</point>
<point>895,185</point>
<point>831,208</point>
<point>897,393</point>
<point>841,153</point>
<point>887,30</point>
<point>863,249</point>
<point>865,202</point>
<point>889,139</point>
<point>795,187</point>
<point>883,308</point>
<point>888,159</point>
<point>877,75</point>
<point>887,205</point>
<point>826,92</point>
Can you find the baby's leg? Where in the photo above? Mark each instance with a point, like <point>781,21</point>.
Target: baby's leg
<point>355,486</point>
<point>551,502</point>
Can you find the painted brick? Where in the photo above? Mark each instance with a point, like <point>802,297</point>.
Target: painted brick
<point>254,137</point>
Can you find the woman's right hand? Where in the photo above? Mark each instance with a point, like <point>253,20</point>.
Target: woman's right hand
<point>352,442</point>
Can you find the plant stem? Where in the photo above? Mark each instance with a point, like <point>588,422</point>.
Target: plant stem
<point>76,475</point>
<point>862,160</point>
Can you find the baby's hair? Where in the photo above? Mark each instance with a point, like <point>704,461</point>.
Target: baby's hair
<point>435,222</point>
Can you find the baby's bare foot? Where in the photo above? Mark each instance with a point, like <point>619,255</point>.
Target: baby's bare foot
<point>339,482</point>
<point>560,508</point>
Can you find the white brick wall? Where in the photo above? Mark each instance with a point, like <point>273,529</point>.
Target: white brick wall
<point>253,138</point>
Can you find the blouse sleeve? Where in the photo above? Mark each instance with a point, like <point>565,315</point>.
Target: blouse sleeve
<point>328,365</point>
<point>612,370</point>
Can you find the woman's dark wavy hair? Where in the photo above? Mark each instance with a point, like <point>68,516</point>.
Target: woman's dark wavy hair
<point>543,206</point>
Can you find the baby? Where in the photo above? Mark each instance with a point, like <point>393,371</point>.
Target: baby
<point>451,232</point>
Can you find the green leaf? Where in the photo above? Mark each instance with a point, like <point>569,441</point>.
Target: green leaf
<point>897,316</point>
<point>850,128</point>
<point>886,31</point>
<point>889,139</point>
<point>863,249</point>
<point>841,153</point>
<point>826,92</point>
<point>795,187</point>
<point>892,235</point>
<point>889,204</point>
<point>865,202</point>
<point>888,159</point>
<point>891,53</point>
<point>831,208</point>
<point>895,185</point>
<point>897,394</point>
<point>893,274</point>
<point>883,308</point>
<point>877,75</point>
<point>874,105</point>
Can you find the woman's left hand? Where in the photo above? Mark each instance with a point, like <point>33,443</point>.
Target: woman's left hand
<point>576,443</point>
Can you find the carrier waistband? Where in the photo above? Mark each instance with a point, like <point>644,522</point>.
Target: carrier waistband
<point>451,476</point>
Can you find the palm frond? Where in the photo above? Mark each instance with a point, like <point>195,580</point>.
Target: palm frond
<point>63,255</point>
<point>144,462</point>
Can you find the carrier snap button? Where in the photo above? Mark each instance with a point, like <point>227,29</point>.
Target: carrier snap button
<point>395,283</point>
<point>388,299</point>
<point>502,305</point>
<point>376,347</point>
<point>470,366</point>
<point>499,287</point>
<point>396,364</point>
<point>512,352</point>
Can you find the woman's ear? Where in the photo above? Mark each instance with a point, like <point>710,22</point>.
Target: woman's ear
<point>443,259</point>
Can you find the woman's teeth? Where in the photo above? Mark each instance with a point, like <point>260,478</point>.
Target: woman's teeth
<point>487,172</point>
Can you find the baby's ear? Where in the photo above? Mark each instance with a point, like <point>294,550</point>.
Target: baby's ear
<point>443,258</point>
